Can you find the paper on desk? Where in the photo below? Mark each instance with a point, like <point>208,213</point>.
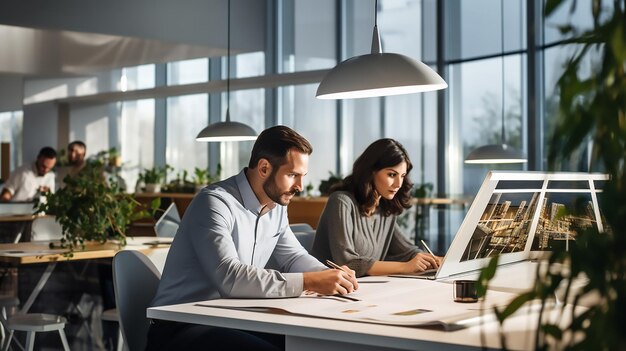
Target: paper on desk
<point>421,303</point>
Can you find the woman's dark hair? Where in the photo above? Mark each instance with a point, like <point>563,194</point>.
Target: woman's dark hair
<point>274,143</point>
<point>381,154</point>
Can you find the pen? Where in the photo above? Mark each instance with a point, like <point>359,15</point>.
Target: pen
<point>427,248</point>
<point>332,264</point>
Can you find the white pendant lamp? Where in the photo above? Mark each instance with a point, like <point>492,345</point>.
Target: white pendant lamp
<point>227,130</point>
<point>378,74</point>
<point>498,153</point>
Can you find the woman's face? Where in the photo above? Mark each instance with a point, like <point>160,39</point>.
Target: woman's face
<point>388,181</point>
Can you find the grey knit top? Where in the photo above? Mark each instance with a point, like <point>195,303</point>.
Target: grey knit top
<point>345,236</point>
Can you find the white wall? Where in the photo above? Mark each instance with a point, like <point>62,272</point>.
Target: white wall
<point>11,93</point>
<point>40,129</point>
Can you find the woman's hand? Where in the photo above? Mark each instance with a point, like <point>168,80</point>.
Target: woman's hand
<point>422,262</point>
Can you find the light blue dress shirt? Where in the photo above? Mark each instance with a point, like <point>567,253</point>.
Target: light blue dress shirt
<point>222,247</point>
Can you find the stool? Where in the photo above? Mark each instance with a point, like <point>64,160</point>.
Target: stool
<point>33,323</point>
<point>111,315</point>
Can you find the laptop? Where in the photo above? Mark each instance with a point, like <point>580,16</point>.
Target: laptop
<point>16,208</point>
<point>167,225</point>
<point>520,216</point>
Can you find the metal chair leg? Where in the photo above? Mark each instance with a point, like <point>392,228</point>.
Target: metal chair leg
<point>6,346</point>
<point>30,340</point>
<point>66,346</point>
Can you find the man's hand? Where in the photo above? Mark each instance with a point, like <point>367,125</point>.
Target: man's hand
<point>422,262</point>
<point>331,281</point>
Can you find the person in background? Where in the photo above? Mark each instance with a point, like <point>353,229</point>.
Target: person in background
<point>31,179</point>
<point>358,225</point>
<point>76,151</point>
<point>229,232</point>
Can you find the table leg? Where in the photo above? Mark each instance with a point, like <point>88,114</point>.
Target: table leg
<point>40,284</point>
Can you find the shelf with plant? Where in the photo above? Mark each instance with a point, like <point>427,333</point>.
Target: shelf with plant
<point>93,208</point>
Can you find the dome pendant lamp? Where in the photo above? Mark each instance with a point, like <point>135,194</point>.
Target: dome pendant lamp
<point>227,130</point>
<point>498,153</point>
<point>378,74</point>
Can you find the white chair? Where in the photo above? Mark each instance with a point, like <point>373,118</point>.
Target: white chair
<point>111,315</point>
<point>33,323</point>
<point>6,303</point>
<point>135,281</point>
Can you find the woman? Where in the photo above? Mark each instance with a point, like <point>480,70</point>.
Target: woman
<point>358,225</point>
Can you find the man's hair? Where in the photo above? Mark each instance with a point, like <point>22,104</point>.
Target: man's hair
<point>77,143</point>
<point>47,152</point>
<point>273,144</point>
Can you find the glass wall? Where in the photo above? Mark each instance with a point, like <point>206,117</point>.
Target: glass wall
<point>188,71</point>
<point>136,139</point>
<point>316,120</point>
<point>487,91</point>
<point>186,117</point>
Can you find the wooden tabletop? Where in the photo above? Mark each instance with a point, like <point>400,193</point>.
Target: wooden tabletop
<point>17,218</point>
<point>40,252</point>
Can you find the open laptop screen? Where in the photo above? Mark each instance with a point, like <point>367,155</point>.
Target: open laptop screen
<point>516,214</point>
<point>167,225</point>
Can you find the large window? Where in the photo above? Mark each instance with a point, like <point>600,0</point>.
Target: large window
<point>186,117</point>
<point>315,120</point>
<point>136,138</point>
<point>307,35</point>
<point>188,71</point>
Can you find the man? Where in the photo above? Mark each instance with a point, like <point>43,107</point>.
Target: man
<point>76,151</point>
<point>229,232</point>
<point>28,180</point>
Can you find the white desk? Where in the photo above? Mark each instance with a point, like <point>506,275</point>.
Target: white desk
<point>310,333</point>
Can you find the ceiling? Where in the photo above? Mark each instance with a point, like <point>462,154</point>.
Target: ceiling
<point>42,38</point>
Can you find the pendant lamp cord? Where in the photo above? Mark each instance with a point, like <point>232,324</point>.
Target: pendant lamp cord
<point>502,65</point>
<point>376,13</point>
<point>228,67</point>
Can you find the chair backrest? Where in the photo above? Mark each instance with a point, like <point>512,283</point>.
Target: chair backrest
<point>306,239</point>
<point>301,227</point>
<point>135,281</point>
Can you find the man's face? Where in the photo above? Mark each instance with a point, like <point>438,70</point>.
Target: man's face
<point>75,154</point>
<point>284,182</point>
<point>45,165</point>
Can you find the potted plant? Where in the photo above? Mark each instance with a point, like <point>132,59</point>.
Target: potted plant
<point>153,178</point>
<point>326,185</point>
<point>91,208</point>
<point>203,177</point>
<point>592,110</point>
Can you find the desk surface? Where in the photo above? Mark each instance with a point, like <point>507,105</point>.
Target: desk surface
<point>309,333</point>
<point>40,252</point>
<point>16,218</point>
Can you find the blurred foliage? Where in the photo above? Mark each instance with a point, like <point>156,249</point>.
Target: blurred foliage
<point>592,110</point>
